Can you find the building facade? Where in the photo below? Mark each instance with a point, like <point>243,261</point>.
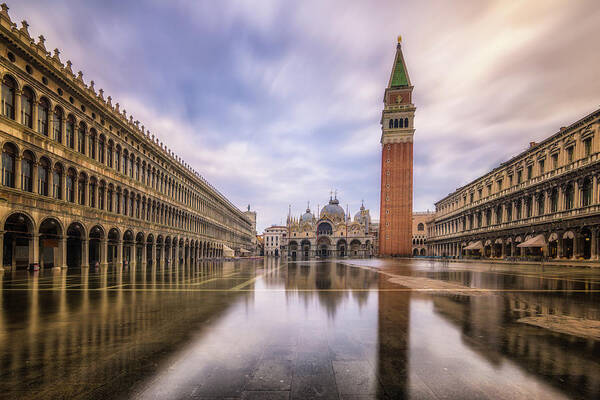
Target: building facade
<point>83,183</point>
<point>420,220</point>
<point>274,238</point>
<point>541,203</point>
<point>397,130</point>
<point>331,234</point>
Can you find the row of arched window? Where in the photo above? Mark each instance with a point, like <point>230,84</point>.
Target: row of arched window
<point>418,242</point>
<point>525,207</point>
<point>76,136</point>
<point>398,123</point>
<point>65,183</point>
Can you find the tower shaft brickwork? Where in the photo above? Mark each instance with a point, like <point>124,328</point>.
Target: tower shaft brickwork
<point>397,126</point>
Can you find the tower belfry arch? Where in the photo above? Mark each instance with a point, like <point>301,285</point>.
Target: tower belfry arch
<point>397,131</point>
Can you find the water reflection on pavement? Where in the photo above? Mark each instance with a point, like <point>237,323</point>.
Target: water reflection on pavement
<point>349,329</point>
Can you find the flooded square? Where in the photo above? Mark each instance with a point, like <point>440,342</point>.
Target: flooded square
<point>347,329</point>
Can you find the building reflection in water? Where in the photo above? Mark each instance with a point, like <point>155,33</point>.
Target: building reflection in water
<point>210,330</point>
<point>68,333</point>
<point>489,325</point>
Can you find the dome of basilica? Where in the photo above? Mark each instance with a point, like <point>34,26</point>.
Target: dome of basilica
<point>333,209</point>
<point>307,216</point>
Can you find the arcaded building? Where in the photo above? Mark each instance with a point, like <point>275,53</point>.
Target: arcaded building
<point>330,233</point>
<point>543,202</point>
<point>85,184</point>
<point>420,219</point>
<point>397,131</point>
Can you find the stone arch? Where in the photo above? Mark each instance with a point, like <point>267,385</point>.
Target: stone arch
<point>19,244</point>
<point>51,236</point>
<point>76,245</point>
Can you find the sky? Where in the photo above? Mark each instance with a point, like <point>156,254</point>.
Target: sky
<point>277,103</point>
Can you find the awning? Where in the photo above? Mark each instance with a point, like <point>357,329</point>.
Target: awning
<point>475,246</point>
<point>537,241</point>
<point>228,252</point>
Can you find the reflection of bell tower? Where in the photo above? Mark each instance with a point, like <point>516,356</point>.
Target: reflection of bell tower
<point>395,220</point>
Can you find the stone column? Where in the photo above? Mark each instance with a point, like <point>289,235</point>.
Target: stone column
<point>51,123</point>
<point>63,252</point>
<point>34,249</point>
<point>144,254</point>
<point>595,189</point>
<point>1,251</point>
<point>120,254</point>
<point>176,253</point>
<point>85,258</point>
<point>18,160</point>
<point>18,116</point>
<point>577,189</point>
<point>34,177</point>
<point>63,185</point>
<point>575,246</point>
<point>103,252</point>
<point>594,245</point>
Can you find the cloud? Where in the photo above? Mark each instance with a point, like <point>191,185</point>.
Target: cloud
<point>278,103</point>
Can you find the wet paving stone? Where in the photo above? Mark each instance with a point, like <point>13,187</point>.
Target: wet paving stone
<point>355,329</point>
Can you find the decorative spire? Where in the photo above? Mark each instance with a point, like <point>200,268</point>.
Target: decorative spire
<point>24,26</point>
<point>68,67</point>
<point>56,55</point>
<point>4,11</point>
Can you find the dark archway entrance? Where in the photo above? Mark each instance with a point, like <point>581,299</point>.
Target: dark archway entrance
<point>50,243</point>
<point>18,230</point>
<point>112,246</point>
<point>95,249</point>
<point>75,239</point>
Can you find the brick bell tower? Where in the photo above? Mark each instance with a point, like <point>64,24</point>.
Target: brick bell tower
<point>397,130</point>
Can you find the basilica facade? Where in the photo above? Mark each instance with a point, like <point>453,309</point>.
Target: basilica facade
<point>332,233</point>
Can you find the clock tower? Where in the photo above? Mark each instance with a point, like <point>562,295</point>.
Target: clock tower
<point>397,131</point>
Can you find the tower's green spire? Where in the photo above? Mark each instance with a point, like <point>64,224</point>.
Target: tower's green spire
<point>399,77</point>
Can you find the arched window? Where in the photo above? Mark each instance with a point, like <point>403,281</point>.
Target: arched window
<point>71,131</point>
<point>137,170</point>
<point>125,201</point>
<point>554,200</point>
<point>92,192</point>
<point>391,124</point>
<point>57,124</point>
<point>125,161</point>
<point>109,154</point>
<point>406,122</point>
<point>118,158</point>
<point>488,217</point>
<point>118,201</point>
<point>101,141</point>
<point>132,162</point>
<point>569,194</point>
<point>395,123</point>
<point>131,204</point>
<point>541,204</point>
<point>27,107</point>
<point>401,123</point>
<point>43,116</point>
<point>81,189</point>
<point>421,227</point>
<point>57,182</point>
<point>101,191</point>
<point>43,174</point>
<point>81,138</point>
<point>92,144</point>
<point>137,207</point>
<point>586,199</point>
<point>8,97</point>
<point>109,198</point>
<point>71,186</point>
<point>8,165</point>
<point>27,172</point>
<point>528,206</point>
